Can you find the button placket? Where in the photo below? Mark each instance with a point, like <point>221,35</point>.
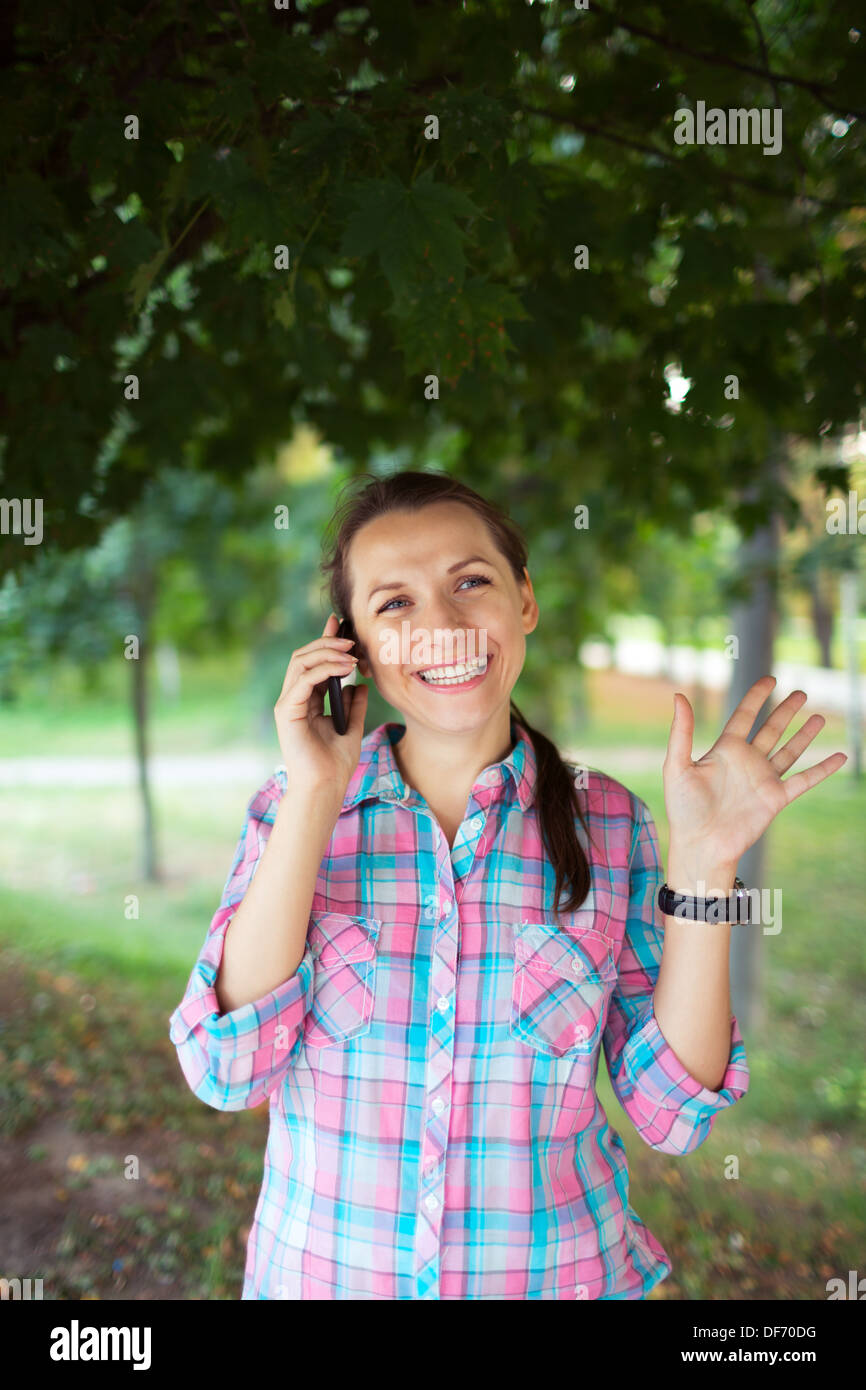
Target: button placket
<point>439,1075</point>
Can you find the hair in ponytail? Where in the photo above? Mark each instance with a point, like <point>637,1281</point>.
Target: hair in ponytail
<point>556,796</point>
<point>556,804</point>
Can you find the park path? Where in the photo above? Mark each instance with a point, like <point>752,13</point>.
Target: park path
<point>656,671</point>
<point>228,769</point>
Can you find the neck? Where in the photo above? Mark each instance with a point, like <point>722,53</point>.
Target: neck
<point>442,766</point>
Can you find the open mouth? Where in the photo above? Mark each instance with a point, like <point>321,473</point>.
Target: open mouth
<point>460,676</point>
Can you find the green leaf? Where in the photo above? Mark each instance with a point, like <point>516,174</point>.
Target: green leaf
<point>143,278</point>
<point>410,229</point>
<point>284,308</point>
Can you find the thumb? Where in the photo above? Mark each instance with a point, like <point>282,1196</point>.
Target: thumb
<point>679,754</point>
<point>357,707</point>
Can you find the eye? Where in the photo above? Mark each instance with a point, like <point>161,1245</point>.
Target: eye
<point>473,579</point>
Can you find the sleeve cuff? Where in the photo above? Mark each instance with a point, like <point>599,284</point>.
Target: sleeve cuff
<point>266,1022</point>
<point>658,1076</point>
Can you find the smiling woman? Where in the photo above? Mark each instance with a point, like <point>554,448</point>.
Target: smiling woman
<point>482,604</point>
<point>427,939</point>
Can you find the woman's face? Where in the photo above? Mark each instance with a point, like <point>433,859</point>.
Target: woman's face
<point>418,578</point>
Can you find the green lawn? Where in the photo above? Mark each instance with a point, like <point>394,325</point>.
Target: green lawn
<point>58,715</point>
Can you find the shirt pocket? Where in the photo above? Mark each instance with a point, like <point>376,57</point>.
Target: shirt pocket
<point>345,955</point>
<point>561,984</point>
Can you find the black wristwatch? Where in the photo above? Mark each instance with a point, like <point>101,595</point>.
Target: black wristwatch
<point>736,908</point>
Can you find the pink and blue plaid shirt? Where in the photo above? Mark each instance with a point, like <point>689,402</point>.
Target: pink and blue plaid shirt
<point>430,1068</point>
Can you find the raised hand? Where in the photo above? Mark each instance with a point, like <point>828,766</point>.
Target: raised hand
<point>720,805</point>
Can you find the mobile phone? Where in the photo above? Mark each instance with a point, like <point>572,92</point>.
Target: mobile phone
<point>335,689</point>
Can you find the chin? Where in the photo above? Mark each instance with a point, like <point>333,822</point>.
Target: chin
<point>452,720</point>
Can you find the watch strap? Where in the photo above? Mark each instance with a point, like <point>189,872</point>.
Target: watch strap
<point>734,908</point>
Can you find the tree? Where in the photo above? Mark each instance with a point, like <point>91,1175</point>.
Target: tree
<point>162,154</point>
<point>192,563</point>
<point>419,226</point>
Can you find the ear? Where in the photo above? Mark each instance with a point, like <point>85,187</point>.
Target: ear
<point>529,606</point>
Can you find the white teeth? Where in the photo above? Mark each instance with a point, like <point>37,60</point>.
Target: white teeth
<point>455,675</point>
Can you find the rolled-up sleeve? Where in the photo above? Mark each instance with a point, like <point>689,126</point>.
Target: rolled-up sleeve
<point>669,1108</point>
<point>234,1060</point>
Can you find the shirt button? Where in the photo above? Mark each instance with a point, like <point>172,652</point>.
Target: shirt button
<point>438,1106</point>
<point>446,907</point>
<point>431,1201</point>
<point>577,965</point>
<point>442,1004</point>
<point>476,824</point>
<point>581,1291</point>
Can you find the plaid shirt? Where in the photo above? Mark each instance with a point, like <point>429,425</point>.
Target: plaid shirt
<point>430,1068</point>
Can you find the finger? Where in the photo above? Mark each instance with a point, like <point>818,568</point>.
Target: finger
<point>679,754</point>
<point>321,644</point>
<point>332,627</point>
<point>772,729</point>
<point>323,648</point>
<point>306,676</point>
<point>790,751</point>
<point>747,710</point>
<point>328,639</point>
<point>811,776</point>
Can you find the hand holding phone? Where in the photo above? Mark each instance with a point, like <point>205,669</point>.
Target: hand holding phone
<point>309,743</point>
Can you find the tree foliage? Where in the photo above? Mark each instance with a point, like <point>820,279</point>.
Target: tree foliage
<point>306,128</point>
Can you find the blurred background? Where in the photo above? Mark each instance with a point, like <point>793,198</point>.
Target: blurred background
<point>249,254</point>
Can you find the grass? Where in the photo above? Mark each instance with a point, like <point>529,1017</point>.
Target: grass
<point>58,714</point>
<point>88,1076</point>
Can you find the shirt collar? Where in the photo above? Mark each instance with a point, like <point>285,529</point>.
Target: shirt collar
<point>378,776</point>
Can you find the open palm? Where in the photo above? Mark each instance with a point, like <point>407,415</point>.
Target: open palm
<point>721,804</point>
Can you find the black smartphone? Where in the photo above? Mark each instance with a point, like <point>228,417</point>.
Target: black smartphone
<point>335,690</point>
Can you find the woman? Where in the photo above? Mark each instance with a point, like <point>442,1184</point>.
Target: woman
<point>394,967</point>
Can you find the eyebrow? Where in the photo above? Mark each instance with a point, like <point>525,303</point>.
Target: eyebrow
<point>461,564</point>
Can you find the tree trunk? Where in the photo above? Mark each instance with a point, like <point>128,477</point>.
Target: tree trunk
<point>143,591</point>
<point>822,619</point>
<point>754,621</point>
<point>849,585</point>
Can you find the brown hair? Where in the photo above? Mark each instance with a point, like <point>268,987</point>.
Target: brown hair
<point>556,794</point>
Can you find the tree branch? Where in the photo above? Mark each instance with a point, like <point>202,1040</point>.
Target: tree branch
<point>588,129</point>
<point>815,89</point>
